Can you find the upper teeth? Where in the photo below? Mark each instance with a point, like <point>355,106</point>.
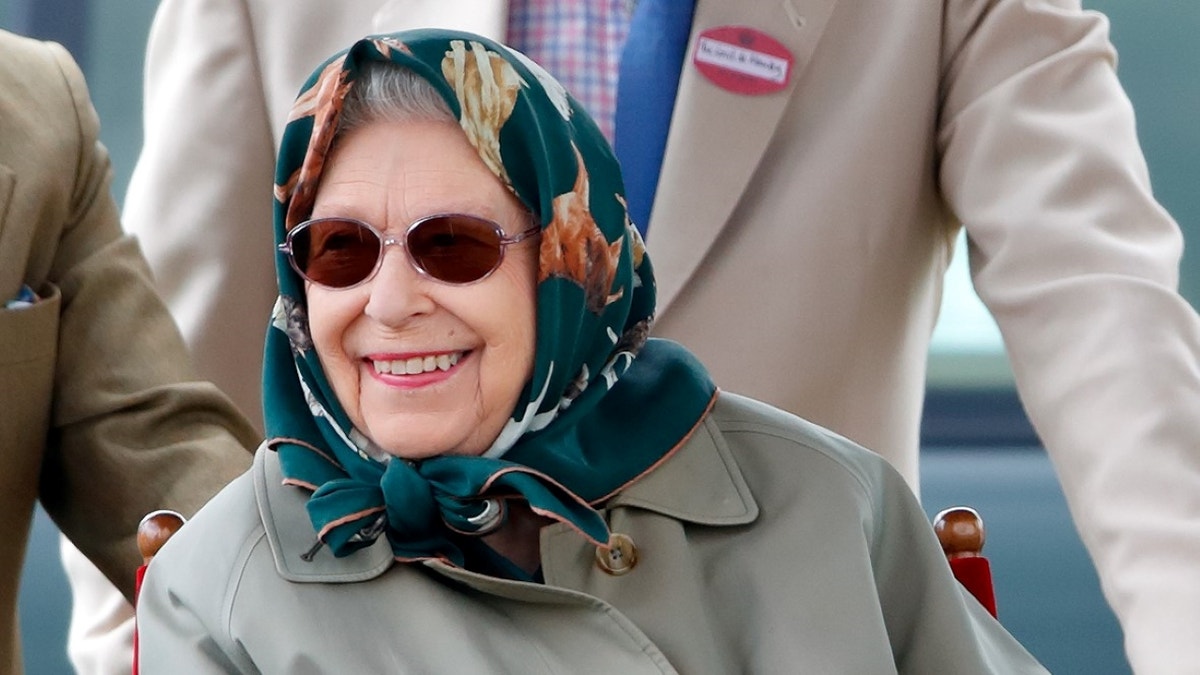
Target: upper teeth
<point>418,364</point>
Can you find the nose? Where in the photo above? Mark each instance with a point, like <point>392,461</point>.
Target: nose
<point>398,291</point>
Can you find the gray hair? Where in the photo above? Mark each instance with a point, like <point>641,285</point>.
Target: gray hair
<point>385,92</point>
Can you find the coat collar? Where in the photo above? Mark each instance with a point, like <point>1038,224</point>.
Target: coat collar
<point>701,483</point>
<point>717,138</point>
<point>291,534</point>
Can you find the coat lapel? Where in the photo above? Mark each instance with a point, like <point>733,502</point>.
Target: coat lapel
<point>718,137</point>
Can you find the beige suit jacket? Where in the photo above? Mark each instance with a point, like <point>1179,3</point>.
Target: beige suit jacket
<point>100,421</point>
<point>800,238</point>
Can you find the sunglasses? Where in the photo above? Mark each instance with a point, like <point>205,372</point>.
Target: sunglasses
<point>452,248</point>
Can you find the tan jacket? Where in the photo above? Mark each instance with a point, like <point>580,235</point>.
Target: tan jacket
<point>765,545</point>
<point>800,238</point>
<point>99,418</point>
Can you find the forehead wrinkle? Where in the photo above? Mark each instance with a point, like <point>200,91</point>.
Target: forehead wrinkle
<point>391,190</point>
<point>347,190</point>
<point>474,191</point>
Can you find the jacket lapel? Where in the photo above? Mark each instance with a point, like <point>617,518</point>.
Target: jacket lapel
<point>12,254</point>
<point>718,137</point>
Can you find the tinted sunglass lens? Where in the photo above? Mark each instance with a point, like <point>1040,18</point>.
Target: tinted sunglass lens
<point>335,253</point>
<point>455,249</point>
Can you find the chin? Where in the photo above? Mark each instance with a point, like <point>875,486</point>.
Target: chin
<point>412,451</point>
<point>408,446</point>
<point>421,436</point>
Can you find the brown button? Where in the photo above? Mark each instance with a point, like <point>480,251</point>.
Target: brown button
<point>619,556</point>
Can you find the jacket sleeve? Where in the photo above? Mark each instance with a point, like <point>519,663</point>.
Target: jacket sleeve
<point>1079,265</point>
<point>131,431</point>
<point>200,197</point>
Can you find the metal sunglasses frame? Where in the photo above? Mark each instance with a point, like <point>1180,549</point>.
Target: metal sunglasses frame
<point>402,242</point>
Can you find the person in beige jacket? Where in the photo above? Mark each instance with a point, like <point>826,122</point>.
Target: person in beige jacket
<point>477,461</point>
<point>900,125</point>
<point>103,419</point>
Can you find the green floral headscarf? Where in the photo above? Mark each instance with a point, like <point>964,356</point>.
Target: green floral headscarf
<point>604,405</point>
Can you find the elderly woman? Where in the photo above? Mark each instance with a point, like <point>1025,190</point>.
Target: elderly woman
<point>477,461</point>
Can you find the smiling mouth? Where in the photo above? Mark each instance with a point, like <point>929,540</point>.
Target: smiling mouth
<point>418,364</point>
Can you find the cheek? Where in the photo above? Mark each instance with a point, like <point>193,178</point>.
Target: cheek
<point>319,319</point>
<point>329,316</point>
<point>510,309</point>
<point>522,335</point>
<point>524,283</point>
<point>528,325</point>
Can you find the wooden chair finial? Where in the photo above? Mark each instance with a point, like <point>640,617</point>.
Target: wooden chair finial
<point>960,531</point>
<point>154,531</point>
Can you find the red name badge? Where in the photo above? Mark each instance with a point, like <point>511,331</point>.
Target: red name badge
<point>743,60</point>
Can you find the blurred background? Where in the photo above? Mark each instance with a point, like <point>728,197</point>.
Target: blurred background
<point>978,447</point>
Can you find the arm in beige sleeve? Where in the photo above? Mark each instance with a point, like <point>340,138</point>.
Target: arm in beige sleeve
<point>200,197</point>
<point>1079,265</point>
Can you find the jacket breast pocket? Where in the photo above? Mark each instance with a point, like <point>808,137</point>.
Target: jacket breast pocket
<point>28,349</point>
<point>30,334</point>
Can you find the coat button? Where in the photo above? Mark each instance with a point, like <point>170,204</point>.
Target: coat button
<point>619,556</point>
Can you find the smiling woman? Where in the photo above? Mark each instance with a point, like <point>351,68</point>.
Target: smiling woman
<point>207,178</point>
<point>474,448</point>
<point>397,173</point>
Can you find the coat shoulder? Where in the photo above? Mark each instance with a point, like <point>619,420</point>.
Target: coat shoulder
<point>757,431</point>
<point>203,559</point>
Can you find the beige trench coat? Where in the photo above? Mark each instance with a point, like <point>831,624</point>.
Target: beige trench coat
<point>765,545</point>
